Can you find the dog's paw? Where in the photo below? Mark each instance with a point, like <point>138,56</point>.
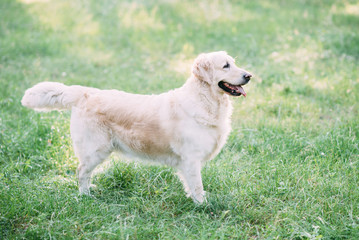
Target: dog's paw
<point>200,198</point>
<point>85,191</point>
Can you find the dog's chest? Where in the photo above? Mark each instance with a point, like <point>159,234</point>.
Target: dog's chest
<point>221,135</point>
<point>209,136</point>
<point>221,128</point>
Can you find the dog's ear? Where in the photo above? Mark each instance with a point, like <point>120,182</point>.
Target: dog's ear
<point>203,68</point>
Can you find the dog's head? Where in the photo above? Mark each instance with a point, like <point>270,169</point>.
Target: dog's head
<point>219,71</point>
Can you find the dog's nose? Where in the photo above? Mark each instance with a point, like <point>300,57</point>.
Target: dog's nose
<point>247,76</point>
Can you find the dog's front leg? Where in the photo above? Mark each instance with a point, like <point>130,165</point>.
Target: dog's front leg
<point>190,172</point>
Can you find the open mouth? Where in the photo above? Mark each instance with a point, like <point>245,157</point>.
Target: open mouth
<point>234,90</point>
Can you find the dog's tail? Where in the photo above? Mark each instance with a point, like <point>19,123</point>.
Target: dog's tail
<point>47,96</point>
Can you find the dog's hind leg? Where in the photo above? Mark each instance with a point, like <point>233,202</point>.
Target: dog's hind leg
<point>88,163</point>
<point>92,146</point>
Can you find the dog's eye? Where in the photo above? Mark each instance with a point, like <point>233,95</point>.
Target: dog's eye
<point>227,65</point>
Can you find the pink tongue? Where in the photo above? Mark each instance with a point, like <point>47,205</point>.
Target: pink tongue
<point>241,90</point>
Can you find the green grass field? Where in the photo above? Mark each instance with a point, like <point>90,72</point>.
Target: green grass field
<point>290,168</point>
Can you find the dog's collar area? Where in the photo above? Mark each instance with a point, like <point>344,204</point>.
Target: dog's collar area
<point>234,90</point>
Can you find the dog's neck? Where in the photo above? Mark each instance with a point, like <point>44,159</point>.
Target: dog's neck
<point>214,105</point>
<point>205,91</point>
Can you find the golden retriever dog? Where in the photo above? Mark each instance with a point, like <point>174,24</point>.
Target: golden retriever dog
<point>182,128</point>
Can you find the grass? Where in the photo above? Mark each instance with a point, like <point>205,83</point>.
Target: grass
<point>289,170</point>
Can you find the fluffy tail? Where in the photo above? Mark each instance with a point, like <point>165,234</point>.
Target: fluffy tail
<point>46,96</point>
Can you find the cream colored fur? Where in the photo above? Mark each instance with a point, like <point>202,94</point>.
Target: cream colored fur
<point>182,128</point>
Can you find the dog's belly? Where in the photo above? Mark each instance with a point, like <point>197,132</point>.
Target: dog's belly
<point>144,141</point>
